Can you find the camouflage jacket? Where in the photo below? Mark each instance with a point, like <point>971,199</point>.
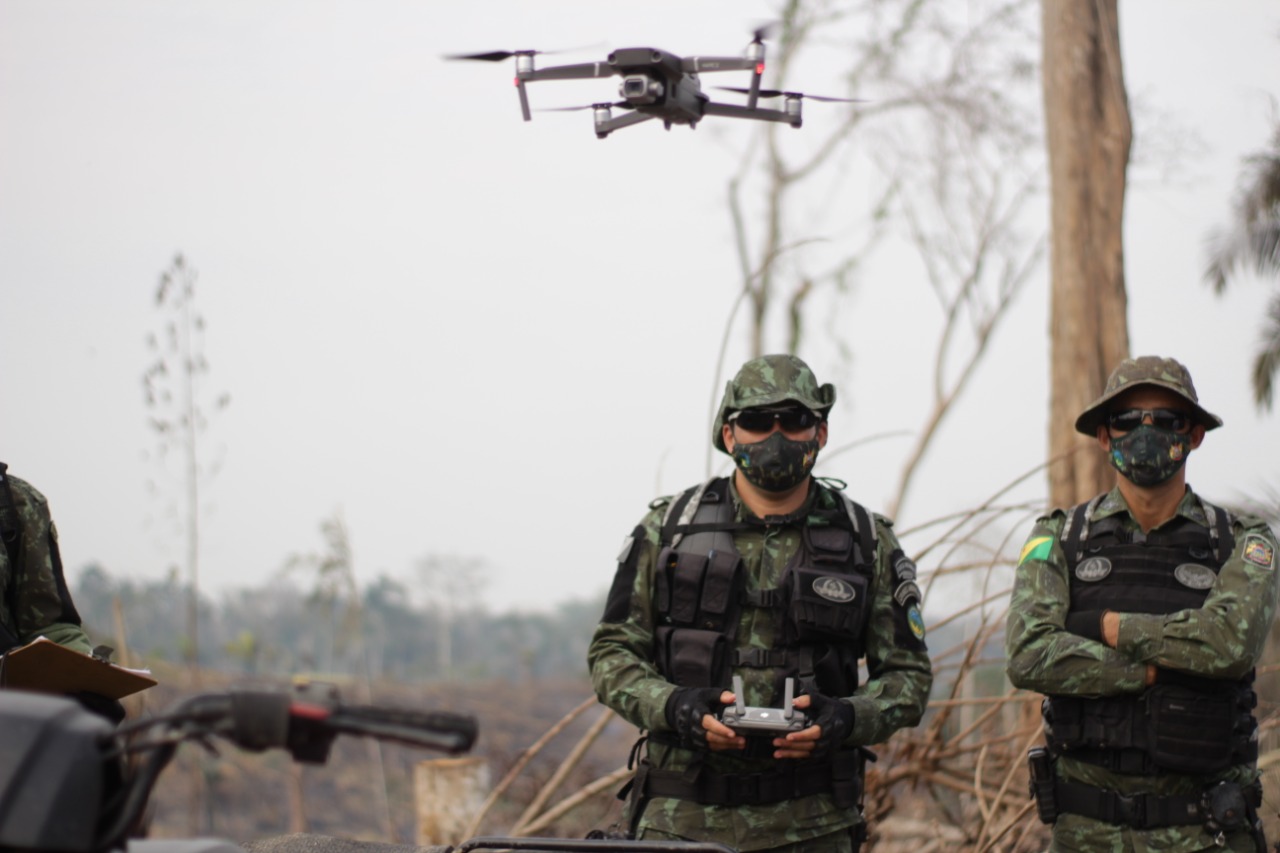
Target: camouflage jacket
<point>40,604</point>
<point>621,657</point>
<point>1222,639</point>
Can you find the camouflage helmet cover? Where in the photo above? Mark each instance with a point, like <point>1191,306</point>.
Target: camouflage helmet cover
<point>1166,373</point>
<point>766,381</point>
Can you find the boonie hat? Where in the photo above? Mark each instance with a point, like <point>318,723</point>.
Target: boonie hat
<point>768,380</point>
<point>1165,373</point>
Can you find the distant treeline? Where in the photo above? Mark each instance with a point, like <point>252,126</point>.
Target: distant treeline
<point>281,629</point>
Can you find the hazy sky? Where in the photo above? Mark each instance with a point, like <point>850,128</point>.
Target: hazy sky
<point>478,337</point>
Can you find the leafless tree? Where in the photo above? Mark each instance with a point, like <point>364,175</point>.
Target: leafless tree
<point>181,408</point>
<point>946,152</point>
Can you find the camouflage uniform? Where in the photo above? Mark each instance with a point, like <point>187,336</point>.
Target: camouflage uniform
<point>1223,639</point>
<point>626,678</point>
<point>36,602</point>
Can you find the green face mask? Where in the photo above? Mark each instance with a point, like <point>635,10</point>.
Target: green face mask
<point>776,464</point>
<point>1148,455</point>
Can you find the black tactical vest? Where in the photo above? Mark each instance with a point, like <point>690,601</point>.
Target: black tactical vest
<point>1183,723</point>
<point>822,603</point>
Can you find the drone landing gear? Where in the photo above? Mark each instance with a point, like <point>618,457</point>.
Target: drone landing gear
<point>607,124</point>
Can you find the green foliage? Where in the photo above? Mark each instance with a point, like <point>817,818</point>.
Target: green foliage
<point>277,630</point>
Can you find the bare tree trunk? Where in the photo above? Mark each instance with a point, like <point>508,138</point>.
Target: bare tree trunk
<point>1089,134</point>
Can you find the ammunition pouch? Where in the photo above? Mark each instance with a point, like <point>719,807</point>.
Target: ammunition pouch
<point>826,605</point>
<point>1190,732</point>
<point>690,657</point>
<point>1168,728</point>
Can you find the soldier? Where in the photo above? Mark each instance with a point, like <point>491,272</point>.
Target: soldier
<point>1141,616</point>
<point>768,575</point>
<point>35,601</point>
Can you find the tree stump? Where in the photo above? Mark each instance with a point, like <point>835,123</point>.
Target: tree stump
<point>448,793</point>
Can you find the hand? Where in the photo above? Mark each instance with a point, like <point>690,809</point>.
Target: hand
<point>832,722</point>
<point>689,711</point>
<point>1111,628</point>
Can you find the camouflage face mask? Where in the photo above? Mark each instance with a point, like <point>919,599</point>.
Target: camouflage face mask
<point>776,464</point>
<point>1148,455</point>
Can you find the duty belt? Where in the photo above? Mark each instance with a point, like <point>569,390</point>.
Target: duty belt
<point>1140,811</point>
<point>739,789</point>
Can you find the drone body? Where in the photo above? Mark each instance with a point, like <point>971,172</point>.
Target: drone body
<point>656,84</point>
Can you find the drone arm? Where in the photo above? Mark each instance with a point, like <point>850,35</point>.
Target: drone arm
<point>700,64</point>
<point>754,92</point>
<point>790,116</point>
<point>581,71</point>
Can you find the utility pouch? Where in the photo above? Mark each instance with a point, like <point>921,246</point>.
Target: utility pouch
<point>690,657</point>
<point>679,584</point>
<point>1225,809</point>
<point>827,605</point>
<point>1040,767</point>
<point>1190,732</point>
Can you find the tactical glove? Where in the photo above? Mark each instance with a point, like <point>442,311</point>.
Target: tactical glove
<point>685,709</point>
<point>835,718</point>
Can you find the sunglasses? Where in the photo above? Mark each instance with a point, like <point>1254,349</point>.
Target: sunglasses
<point>762,420</point>
<point>1130,419</point>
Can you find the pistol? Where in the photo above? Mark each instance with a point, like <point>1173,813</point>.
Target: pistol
<point>1041,767</point>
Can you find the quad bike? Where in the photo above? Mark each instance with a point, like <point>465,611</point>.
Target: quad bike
<point>70,782</point>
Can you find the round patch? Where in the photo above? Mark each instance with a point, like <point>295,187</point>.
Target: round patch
<point>834,589</point>
<point>1093,569</point>
<point>1195,576</point>
<point>916,622</point>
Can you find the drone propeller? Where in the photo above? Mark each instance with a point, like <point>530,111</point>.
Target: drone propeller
<point>764,31</point>
<point>494,55</point>
<point>776,93</point>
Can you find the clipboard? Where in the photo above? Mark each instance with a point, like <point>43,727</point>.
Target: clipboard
<point>46,667</point>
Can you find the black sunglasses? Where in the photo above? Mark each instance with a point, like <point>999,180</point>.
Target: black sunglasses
<point>1130,419</point>
<point>762,420</point>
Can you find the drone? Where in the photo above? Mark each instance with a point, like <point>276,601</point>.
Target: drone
<point>659,85</point>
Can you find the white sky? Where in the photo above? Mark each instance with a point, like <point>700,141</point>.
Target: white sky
<point>485,338</point>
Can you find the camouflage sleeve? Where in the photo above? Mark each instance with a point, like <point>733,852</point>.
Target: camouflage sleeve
<point>42,603</point>
<point>621,652</point>
<point>898,667</point>
<point>1041,654</point>
<point>1224,637</point>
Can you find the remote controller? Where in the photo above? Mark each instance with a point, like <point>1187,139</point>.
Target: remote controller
<point>748,720</point>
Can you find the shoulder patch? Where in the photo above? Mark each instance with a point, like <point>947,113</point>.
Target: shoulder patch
<point>916,623</point>
<point>1037,548</point>
<point>659,503</point>
<point>1258,550</point>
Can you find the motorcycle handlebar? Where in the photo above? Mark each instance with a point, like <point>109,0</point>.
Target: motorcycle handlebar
<point>306,721</point>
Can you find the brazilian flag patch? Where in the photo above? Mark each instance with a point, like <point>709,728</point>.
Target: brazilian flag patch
<point>1037,548</point>
<point>916,622</point>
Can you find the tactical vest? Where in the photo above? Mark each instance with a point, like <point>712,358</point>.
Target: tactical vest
<point>11,533</point>
<point>1183,723</point>
<point>822,603</point>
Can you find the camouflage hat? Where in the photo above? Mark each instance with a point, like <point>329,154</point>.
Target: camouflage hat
<point>768,380</point>
<point>1153,370</point>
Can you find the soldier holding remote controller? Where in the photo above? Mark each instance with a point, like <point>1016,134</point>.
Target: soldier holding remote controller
<point>774,582</point>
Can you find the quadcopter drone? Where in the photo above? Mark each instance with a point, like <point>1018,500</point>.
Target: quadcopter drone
<point>660,85</point>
